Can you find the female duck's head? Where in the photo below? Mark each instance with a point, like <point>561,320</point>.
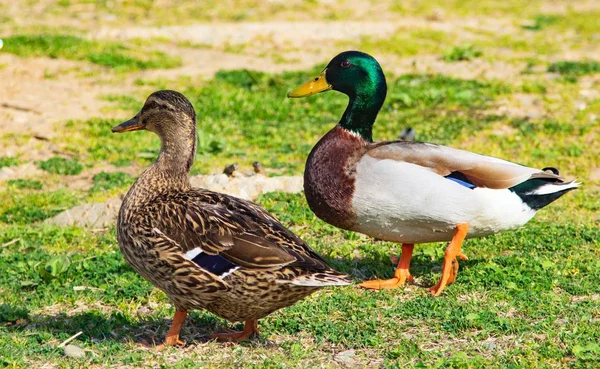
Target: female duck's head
<point>359,76</point>
<point>171,116</point>
<point>164,113</point>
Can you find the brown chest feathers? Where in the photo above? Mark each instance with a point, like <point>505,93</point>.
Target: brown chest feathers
<point>329,176</point>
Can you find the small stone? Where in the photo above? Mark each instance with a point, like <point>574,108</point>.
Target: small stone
<point>96,215</point>
<point>258,168</point>
<point>102,215</point>
<point>407,134</point>
<point>489,345</point>
<point>74,351</point>
<point>346,358</point>
<point>230,169</point>
<point>221,180</point>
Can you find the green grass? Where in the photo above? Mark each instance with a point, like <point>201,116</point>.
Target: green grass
<point>535,286</point>
<point>542,21</point>
<point>107,181</point>
<point>524,299</point>
<point>7,161</point>
<point>110,54</point>
<point>403,42</point>
<point>58,165</point>
<point>462,53</point>
<point>24,207</point>
<point>30,184</point>
<point>574,68</point>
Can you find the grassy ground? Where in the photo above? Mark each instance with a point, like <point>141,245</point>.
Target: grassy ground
<point>513,80</point>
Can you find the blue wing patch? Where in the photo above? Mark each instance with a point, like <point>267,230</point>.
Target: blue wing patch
<point>214,263</point>
<point>461,179</point>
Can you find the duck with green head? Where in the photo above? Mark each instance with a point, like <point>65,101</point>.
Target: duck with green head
<point>411,192</point>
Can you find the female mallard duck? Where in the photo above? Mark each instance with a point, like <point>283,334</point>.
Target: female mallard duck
<point>411,192</point>
<point>208,250</point>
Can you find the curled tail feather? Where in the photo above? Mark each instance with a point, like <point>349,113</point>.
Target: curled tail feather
<point>540,190</point>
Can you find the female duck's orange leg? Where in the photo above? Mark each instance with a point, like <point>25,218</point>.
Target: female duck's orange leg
<point>172,338</point>
<point>450,267</point>
<point>401,275</point>
<point>250,329</point>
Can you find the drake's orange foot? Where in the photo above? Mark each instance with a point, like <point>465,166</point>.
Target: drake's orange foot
<point>401,275</point>
<point>250,329</point>
<point>453,272</point>
<point>438,288</point>
<point>379,284</point>
<point>450,266</point>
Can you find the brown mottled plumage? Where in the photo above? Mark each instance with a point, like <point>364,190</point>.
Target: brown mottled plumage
<point>173,234</point>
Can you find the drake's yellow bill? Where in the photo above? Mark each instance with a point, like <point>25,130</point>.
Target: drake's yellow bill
<point>319,84</point>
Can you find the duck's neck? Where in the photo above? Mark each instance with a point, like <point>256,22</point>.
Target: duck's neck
<point>171,170</point>
<point>177,155</point>
<point>363,108</point>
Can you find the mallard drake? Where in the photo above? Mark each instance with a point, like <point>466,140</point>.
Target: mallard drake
<point>208,250</point>
<point>411,192</point>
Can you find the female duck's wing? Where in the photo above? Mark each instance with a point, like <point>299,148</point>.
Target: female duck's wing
<point>464,167</point>
<point>225,232</point>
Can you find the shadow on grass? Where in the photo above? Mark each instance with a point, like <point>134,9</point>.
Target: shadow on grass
<point>114,327</point>
<point>379,266</point>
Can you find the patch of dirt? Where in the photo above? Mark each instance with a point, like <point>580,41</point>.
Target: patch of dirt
<point>473,69</point>
<point>520,105</point>
<point>70,310</point>
<point>32,149</point>
<point>593,297</point>
<point>558,7</point>
<point>27,170</point>
<point>36,92</point>
<point>283,33</point>
<point>503,130</point>
<point>84,180</point>
<point>206,62</point>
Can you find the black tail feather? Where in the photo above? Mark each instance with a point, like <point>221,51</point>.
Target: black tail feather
<point>529,191</point>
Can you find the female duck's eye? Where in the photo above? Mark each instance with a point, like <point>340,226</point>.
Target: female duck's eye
<point>346,64</point>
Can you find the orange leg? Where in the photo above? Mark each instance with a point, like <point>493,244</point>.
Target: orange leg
<point>172,338</point>
<point>250,329</point>
<point>450,267</point>
<point>401,275</point>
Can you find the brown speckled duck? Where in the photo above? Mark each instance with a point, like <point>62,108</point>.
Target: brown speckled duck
<point>204,249</point>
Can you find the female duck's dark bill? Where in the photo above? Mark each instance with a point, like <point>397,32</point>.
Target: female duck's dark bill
<point>130,125</point>
<point>317,85</point>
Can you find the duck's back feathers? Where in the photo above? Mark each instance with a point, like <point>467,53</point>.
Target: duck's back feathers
<point>466,168</point>
<point>220,233</point>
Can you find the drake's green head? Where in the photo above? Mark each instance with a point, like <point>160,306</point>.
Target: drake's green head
<point>359,76</point>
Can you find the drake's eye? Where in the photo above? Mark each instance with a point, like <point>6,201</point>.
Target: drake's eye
<point>346,64</point>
